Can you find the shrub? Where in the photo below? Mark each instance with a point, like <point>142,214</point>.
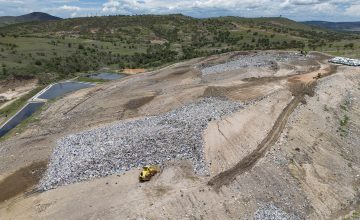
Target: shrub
<point>344,121</point>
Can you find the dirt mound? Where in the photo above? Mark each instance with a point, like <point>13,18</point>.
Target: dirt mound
<point>256,59</point>
<point>299,87</point>
<point>249,161</point>
<point>176,135</point>
<point>250,89</point>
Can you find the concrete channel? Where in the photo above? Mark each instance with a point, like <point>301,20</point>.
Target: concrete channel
<point>36,102</point>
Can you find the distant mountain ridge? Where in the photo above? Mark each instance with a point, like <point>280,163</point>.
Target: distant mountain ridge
<point>338,26</point>
<point>34,16</point>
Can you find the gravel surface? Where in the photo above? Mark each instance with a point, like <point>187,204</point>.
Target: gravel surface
<point>176,135</point>
<point>260,59</point>
<point>345,61</point>
<point>271,212</point>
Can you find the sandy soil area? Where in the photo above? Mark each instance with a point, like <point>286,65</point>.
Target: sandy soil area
<point>288,147</point>
<point>133,71</point>
<point>11,91</point>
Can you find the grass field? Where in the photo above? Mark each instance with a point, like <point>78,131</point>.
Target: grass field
<point>338,49</point>
<point>26,50</point>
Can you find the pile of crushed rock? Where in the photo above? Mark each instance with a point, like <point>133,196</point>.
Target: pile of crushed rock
<point>259,59</point>
<point>176,135</point>
<point>345,61</point>
<point>271,212</point>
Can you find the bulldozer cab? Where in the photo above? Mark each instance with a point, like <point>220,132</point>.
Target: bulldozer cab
<point>148,172</point>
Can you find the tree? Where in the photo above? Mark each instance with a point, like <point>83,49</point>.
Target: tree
<point>4,70</point>
<point>350,46</point>
<point>121,66</point>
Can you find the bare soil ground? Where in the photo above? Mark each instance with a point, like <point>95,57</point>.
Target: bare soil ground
<point>287,148</point>
<point>12,90</point>
<point>133,71</point>
<point>21,180</point>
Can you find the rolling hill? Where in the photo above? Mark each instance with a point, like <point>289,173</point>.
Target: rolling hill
<point>338,26</point>
<point>69,46</point>
<point>35,16</point>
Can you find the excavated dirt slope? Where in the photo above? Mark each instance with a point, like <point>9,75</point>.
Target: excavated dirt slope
<point>290,152</point>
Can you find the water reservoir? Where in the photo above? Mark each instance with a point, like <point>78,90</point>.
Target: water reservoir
<point>54,91</point>
<point>25,113</point>
<point>62,88</point>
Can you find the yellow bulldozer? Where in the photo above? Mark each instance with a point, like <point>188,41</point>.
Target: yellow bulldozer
<point>148,172</point>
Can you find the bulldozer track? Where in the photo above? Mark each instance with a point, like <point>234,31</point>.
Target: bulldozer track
<point>299,88</point>
<point>226,177</point>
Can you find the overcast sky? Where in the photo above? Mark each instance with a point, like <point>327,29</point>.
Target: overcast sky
<point>300,10</point>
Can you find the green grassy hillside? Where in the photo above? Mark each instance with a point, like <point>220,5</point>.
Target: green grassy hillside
<point>59,49</point>
<point>339,26</point>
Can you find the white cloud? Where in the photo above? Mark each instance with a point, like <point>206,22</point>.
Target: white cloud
<point>334,10</point>
<point>111,6</point>
<point>353,10</point>
<point>11,2</point>
<point>70,8</point>
<point>298,9</point>
<point>167,6</point>
<point>64,1</point>
<point>330,8</point>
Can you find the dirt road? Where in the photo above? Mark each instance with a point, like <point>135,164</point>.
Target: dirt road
<point>300,85</point>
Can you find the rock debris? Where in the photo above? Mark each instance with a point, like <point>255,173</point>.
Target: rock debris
<point>260,59</point>
<point>176,135</point>
<point>345,61</point>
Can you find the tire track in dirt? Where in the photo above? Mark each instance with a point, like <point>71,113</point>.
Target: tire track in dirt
<point>299,87</point>
<point>226,177</point>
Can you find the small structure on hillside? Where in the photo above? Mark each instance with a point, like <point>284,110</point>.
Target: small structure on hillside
<point>345,61</point>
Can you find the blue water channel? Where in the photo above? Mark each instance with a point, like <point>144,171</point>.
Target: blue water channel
<point>107,76</point>
<point>25,113</point>
<point>60,89</point>
<point>54,91</point>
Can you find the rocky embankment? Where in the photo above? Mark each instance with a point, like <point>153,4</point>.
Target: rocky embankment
<point>176,135</point>
<point>345,61</point>
<point>260,59</point>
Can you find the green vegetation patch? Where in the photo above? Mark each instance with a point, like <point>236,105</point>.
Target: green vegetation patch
<point>11,109</point>
<point>344,121</point>
<point>343,128</point>
<point>66,47</point>
<point>354,216</point>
